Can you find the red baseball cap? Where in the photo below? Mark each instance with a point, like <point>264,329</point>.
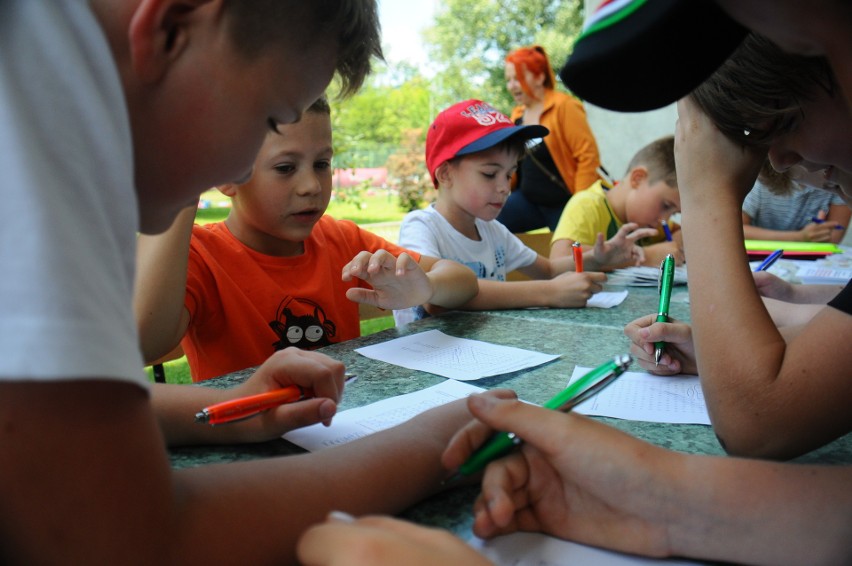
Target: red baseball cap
<point>469,127</point>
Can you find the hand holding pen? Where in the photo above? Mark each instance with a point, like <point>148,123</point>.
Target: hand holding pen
<point>577,391</point>
<point>667,269</point>
<point>577,248</point>
<point>246,407</point>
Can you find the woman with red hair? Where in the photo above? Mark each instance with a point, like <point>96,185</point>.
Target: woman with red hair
<point>558,165</point>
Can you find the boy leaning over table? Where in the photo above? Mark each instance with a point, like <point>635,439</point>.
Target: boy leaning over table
<point>156,100</point>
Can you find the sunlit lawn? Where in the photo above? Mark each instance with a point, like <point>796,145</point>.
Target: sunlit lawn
<point>376,208</point>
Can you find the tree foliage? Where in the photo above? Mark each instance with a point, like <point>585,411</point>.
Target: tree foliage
<point>467,45</point>
<point>471,38</point>
<point>407,171</point>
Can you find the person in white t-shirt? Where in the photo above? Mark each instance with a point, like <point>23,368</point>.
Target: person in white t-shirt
<point>472,151</point>
<point>115,115</point>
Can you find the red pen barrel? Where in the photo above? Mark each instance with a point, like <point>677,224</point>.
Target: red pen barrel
<point>244,407</point>
<point>578,256</point>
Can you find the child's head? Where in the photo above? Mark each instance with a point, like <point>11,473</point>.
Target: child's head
<point>205,81</point>
<point>763,96</point>
<point>652,183</point>
<point>274,211</point>
<point>472,151</point>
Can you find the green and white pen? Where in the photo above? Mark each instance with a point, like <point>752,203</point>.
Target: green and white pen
<point>578,391</point>
<point>667,269</point>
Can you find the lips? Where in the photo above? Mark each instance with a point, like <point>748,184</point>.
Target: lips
<point>309,215</point>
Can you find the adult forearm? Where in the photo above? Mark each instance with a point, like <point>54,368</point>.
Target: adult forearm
<point>260,508</point>
<point>738,348</point>
<point>753,512</point>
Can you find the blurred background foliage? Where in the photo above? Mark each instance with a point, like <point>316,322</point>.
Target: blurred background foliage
<point>466,44</point>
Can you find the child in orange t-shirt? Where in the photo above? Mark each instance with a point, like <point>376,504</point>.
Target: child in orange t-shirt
<point>277,272</point>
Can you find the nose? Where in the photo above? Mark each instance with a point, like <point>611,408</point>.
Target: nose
<point>308,184</point>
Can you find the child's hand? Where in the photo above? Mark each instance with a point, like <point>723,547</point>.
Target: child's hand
<point>621,250</point>
<point>679,354</point>
<point>572,290</point>
<point>773,287</point>
<point>398,282</point>
<point>818,232</point>
<point>313,371</point>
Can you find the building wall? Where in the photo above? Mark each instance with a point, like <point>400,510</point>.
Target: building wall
<point>620,135</point>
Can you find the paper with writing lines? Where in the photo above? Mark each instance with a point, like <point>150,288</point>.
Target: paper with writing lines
<point>639,396</point>
<point>457,358</point>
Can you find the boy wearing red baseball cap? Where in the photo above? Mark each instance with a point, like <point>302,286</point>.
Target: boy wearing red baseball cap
<point>472,151</point>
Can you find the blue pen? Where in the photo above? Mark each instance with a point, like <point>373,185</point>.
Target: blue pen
<point>816,220</point>
<point>667,230</point>
<point>772,258</point>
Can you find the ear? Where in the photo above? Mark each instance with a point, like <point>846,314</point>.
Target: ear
<point>442,173</point>
<point>159,33</point>
<point>637,176</point>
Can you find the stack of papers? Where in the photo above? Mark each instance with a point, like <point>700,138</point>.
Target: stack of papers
<point>824,275</point>
<point>643,276</point>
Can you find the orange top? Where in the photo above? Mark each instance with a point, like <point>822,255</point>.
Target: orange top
<point>244,305</point>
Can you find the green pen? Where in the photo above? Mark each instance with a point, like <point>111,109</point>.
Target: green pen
<point>585,387</point>
<point>667,269</point>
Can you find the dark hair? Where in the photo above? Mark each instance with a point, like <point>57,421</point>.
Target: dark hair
<point>758,92</point>
<point>320,106</point>
<point>352,24</point>
<point>658,157</point>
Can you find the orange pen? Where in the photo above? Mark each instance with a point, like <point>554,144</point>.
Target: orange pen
<point>578,256</point>
<point>246,407</point>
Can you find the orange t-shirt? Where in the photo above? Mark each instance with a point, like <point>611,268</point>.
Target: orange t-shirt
<point>245,305</point>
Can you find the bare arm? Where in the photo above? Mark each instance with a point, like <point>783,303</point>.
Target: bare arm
<point>811,232</point>
<point>161,264</point>
<point>754,383</point>
<point>104,490</point>
<point>400,282</point>
<point>581,480</point>
<point>568,290</point>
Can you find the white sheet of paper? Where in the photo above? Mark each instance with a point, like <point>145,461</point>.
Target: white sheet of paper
<point>639,396</point>
<point>457,358</point>
<point>346,426</point>
<point>607,299</point>
<point>535,549</point>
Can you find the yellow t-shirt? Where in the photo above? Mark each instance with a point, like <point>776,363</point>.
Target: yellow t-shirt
<point>587,214</point>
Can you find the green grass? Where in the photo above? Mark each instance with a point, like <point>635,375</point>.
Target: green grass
<point>378,206</point>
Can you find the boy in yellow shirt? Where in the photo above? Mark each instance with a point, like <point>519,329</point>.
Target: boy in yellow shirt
<point>642,200</point>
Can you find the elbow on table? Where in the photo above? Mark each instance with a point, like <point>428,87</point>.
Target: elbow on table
<point>756,440</point>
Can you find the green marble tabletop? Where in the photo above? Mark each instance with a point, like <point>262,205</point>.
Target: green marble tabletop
<point>585,337</point>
